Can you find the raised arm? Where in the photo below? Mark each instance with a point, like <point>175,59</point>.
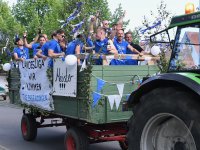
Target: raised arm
<point>134,50</point>
<point>25,41</point>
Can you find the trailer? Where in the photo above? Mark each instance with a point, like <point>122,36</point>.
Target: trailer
<point>95,109</point>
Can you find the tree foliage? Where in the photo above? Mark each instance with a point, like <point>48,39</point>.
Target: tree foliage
<point>118,13</point>
<point>165,17</point>
<point>45,14</point>
<point>9,27</point>
<point>161,14</point>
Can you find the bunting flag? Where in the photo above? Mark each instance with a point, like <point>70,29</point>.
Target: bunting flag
<point>111,99</point>
<point>120,88</point>
<point>96,98</point>
<point>155,24</point>
<point>84,66</point>
<point>100,84</point>
<point>77,27</point>
<point>73,15</point>
<point>117,101</point>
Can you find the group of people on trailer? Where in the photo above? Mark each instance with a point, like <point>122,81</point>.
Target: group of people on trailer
<point>104,41</point>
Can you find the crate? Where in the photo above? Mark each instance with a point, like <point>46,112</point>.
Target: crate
<point>80,107</point>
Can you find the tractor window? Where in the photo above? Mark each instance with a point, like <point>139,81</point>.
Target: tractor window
<point>186,52</point>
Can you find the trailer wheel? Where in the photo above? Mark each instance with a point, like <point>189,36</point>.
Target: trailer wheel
<point>76,139</point>
<point>28,127</point>
<point>165,118</point>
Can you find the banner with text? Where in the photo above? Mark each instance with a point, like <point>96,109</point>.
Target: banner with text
<point>64,78</point>
<point>35,86</point>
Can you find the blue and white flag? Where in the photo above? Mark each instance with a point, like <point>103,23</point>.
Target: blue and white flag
<point>73,15</point>
<point>77,27</point>
<point>155,24</point>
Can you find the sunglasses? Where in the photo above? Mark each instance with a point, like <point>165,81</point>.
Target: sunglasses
<point>63,36</point>
<point>106,23</point>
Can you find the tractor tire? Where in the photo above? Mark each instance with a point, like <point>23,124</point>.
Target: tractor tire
<point>28,127</point>
<point>76,139</point>
<point>165,118</point>
<point>123,145</point>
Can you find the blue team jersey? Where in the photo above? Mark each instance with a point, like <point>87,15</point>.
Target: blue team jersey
<point>89,42</point>
<point>101,46</point>
<point>54,45</point>
<point>121,46</point>
<point>45,48</point>
<point>35,46</point>
<point>22,53</point>
<point>72,46</point>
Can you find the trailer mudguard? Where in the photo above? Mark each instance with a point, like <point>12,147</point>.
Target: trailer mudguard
<point>189,80</point>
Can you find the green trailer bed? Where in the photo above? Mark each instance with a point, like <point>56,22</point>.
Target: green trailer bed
<point>80,107</point>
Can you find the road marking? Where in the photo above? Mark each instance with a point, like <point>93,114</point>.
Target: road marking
<point>3,148</point>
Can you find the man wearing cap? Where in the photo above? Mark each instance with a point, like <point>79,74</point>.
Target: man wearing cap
<point>20,52</point>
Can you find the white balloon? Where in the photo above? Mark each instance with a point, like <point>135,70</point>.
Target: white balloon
<point>70,60</point>
<point>6,67</point>
<point>155,50</point>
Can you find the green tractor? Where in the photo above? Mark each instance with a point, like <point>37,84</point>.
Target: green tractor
<point>166,107</point>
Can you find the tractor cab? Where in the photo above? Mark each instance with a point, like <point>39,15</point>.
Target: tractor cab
<point>183,36</point>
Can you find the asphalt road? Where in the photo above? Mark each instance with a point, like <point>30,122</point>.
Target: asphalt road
<point>47,138</point>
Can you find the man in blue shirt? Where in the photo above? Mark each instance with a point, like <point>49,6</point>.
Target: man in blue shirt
<point>20,52</point>
<point>35,46</point>
<point>122,47</point>
<point>43,52</point>
<point>102,45</point>
<point>54,50</point>
<point>75,47</point>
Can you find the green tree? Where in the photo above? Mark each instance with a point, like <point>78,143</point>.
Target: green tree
<point>118,13</point>
<point>46,13</point>
<point>36,14</point>
<point>164,16</point>
<point>161,14</point>
<point>9,27</point>
<point>89,7</point>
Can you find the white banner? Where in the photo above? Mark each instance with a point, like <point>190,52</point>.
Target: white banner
<point>64,78</point>
<point>35,86</point>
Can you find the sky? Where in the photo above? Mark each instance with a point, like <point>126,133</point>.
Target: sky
<point>136,10</point>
